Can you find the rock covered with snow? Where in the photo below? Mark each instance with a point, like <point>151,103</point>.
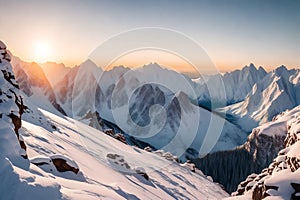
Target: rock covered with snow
<point>118,162</point>
<point>191,166</point>
<point>93,119</point>
<point>18,179</point>
<point>55,163</point>
<point>261,147</point>
<point>4,55</point>
<point>167,155</point>
<point>149,149</point>
<point>11,109</point>
<point>282,178</point>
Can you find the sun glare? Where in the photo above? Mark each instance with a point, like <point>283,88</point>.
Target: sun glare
<point>42,52</point>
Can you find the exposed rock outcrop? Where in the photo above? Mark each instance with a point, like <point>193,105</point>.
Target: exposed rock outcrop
<point>283,172</point>
<point>232,167</point>
<point>12,103</point>
<point>60,162</point>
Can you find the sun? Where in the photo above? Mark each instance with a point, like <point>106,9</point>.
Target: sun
<point>42,51</point>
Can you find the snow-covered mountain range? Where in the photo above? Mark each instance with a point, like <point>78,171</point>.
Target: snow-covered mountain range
<point>132,94</point>
<point>252,97</point>
<point>149,107</point>
<point>237,84</point>
<point>275,92</point>
<point>49,156</point>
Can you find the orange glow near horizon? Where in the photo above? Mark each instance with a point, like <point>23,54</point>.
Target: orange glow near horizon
<point>142,57</point>
<point>45,50</point>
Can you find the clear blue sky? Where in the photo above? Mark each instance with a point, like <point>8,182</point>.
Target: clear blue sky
<point>233,32</point>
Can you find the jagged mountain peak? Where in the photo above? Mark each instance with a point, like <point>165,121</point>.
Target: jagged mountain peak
<point>2,45</point>
<point>34,83</point>
<point>54,71</point>
<point>253,70</point>
<point>89,68</point>
<point>152,64</point>
<point>271,94</point>
<point>88,63</point>
<point>251,66</point>
<point>262,70</point>
<point>282,71</point>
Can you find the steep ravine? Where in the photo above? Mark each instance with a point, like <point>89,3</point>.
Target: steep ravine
<point>280,178</point>
<point>231,167</point>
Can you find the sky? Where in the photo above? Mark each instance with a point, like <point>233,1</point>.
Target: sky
<point>233,33</point>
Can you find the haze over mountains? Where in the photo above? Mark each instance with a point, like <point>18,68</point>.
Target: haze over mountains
<point>152,108</point>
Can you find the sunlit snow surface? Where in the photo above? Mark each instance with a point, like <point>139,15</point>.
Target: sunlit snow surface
<point>88,147</point>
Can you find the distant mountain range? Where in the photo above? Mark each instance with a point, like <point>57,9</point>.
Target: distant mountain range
<point>252,97</point>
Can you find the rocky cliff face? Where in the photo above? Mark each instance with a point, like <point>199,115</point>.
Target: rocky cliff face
<point>11,108</point>
<point>231,167</point>
<point>282,177</point>
<point>263,147</point>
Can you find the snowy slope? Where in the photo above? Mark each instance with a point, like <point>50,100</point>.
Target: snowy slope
<point>89,148</point>
<point>66,159</point>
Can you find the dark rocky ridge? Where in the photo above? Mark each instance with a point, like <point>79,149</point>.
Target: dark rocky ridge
<point>16,117</point>
<point>257,183</point>
<point>231,167</point>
